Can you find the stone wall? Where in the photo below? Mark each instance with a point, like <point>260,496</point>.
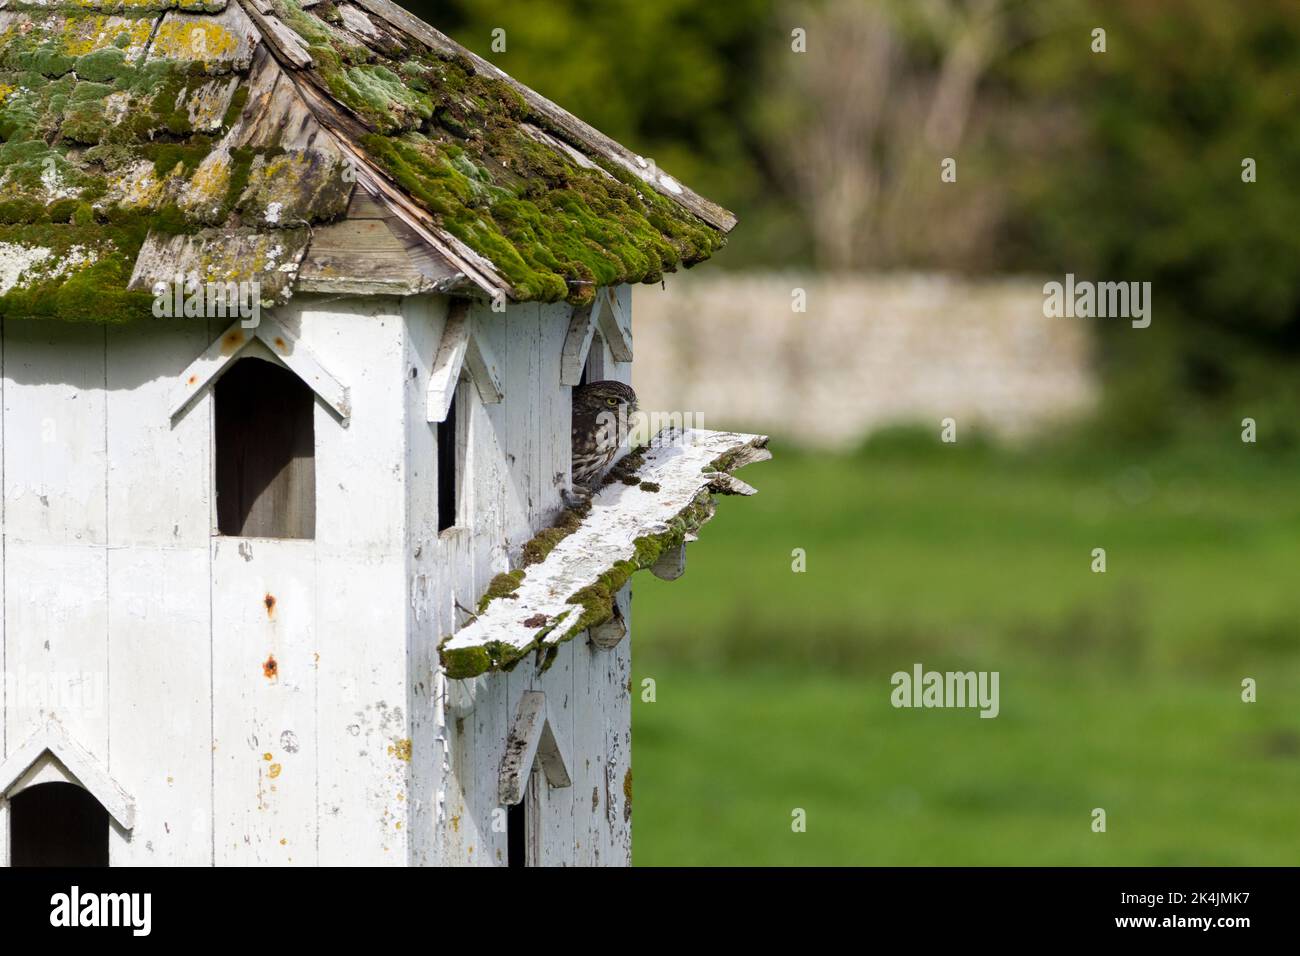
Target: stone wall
<point>869,351</point>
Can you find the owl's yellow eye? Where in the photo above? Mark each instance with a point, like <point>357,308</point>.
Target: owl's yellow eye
<point>611,402</point>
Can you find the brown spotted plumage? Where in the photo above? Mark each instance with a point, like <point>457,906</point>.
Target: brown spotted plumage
<point>602,414</point>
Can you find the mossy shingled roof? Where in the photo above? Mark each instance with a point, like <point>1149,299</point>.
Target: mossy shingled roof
<point>132,131</point>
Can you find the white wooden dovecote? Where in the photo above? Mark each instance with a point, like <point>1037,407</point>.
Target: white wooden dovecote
<point>250,529</point>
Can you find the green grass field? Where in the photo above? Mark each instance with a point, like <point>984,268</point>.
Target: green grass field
<point>1119,690</point>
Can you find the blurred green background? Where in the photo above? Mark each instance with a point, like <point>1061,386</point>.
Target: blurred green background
<point>1119,690</point>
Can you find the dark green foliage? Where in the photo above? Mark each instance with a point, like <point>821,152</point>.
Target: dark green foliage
<point>1147,185</point>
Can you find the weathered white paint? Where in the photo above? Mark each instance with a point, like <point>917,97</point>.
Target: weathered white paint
<point>55,462</point>
<point>577,343</point>
<point>234,344</point>
<point>617,719</point>
<point>113,573</point>
<point>299,357</point>
<point>159,706</point>
<point>620,514</point>
<point>515,488</point>
<point>614,318</point>
<point>533,737</point>
<point>56,637</point>
<point>52,749</point>
<point>606,324</point>
<point>462,349</point>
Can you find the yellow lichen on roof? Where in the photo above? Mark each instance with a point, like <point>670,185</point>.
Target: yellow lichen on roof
<point>202,41</point>
<point>82,35</point>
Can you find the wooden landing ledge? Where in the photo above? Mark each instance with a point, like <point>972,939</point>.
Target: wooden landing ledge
<point>653,503</point>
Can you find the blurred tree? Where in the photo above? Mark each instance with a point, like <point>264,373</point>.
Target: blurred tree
<point>1140,178</point>
<point>861,123</point>
<point>1117,165</point>
<point>669,78</point>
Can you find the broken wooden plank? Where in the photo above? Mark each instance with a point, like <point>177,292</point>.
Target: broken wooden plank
<point>662,494</point>
<point>609,635</point>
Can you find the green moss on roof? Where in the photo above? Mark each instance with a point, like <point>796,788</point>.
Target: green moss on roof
<point>458,142</point>
<point>115,123</point>
<point>73,269</point>
<point>111,129</point>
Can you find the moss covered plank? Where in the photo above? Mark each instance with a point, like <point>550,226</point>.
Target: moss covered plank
<point>657,500</point>
<point>270,258</point>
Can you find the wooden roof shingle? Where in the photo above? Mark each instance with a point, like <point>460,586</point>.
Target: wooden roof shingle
<point>141,139</point>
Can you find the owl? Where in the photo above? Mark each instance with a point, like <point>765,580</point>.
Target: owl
<point>602,418</point>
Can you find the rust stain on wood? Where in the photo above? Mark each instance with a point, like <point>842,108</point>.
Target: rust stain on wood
<point>270,670</point>
<point>269,601</point>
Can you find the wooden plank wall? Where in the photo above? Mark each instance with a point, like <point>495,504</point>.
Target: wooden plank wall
<point>156,640</point>
<point>278,702</point>
<point>519,460</point>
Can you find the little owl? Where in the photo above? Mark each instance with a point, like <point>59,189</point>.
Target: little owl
<point>602,416</point>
